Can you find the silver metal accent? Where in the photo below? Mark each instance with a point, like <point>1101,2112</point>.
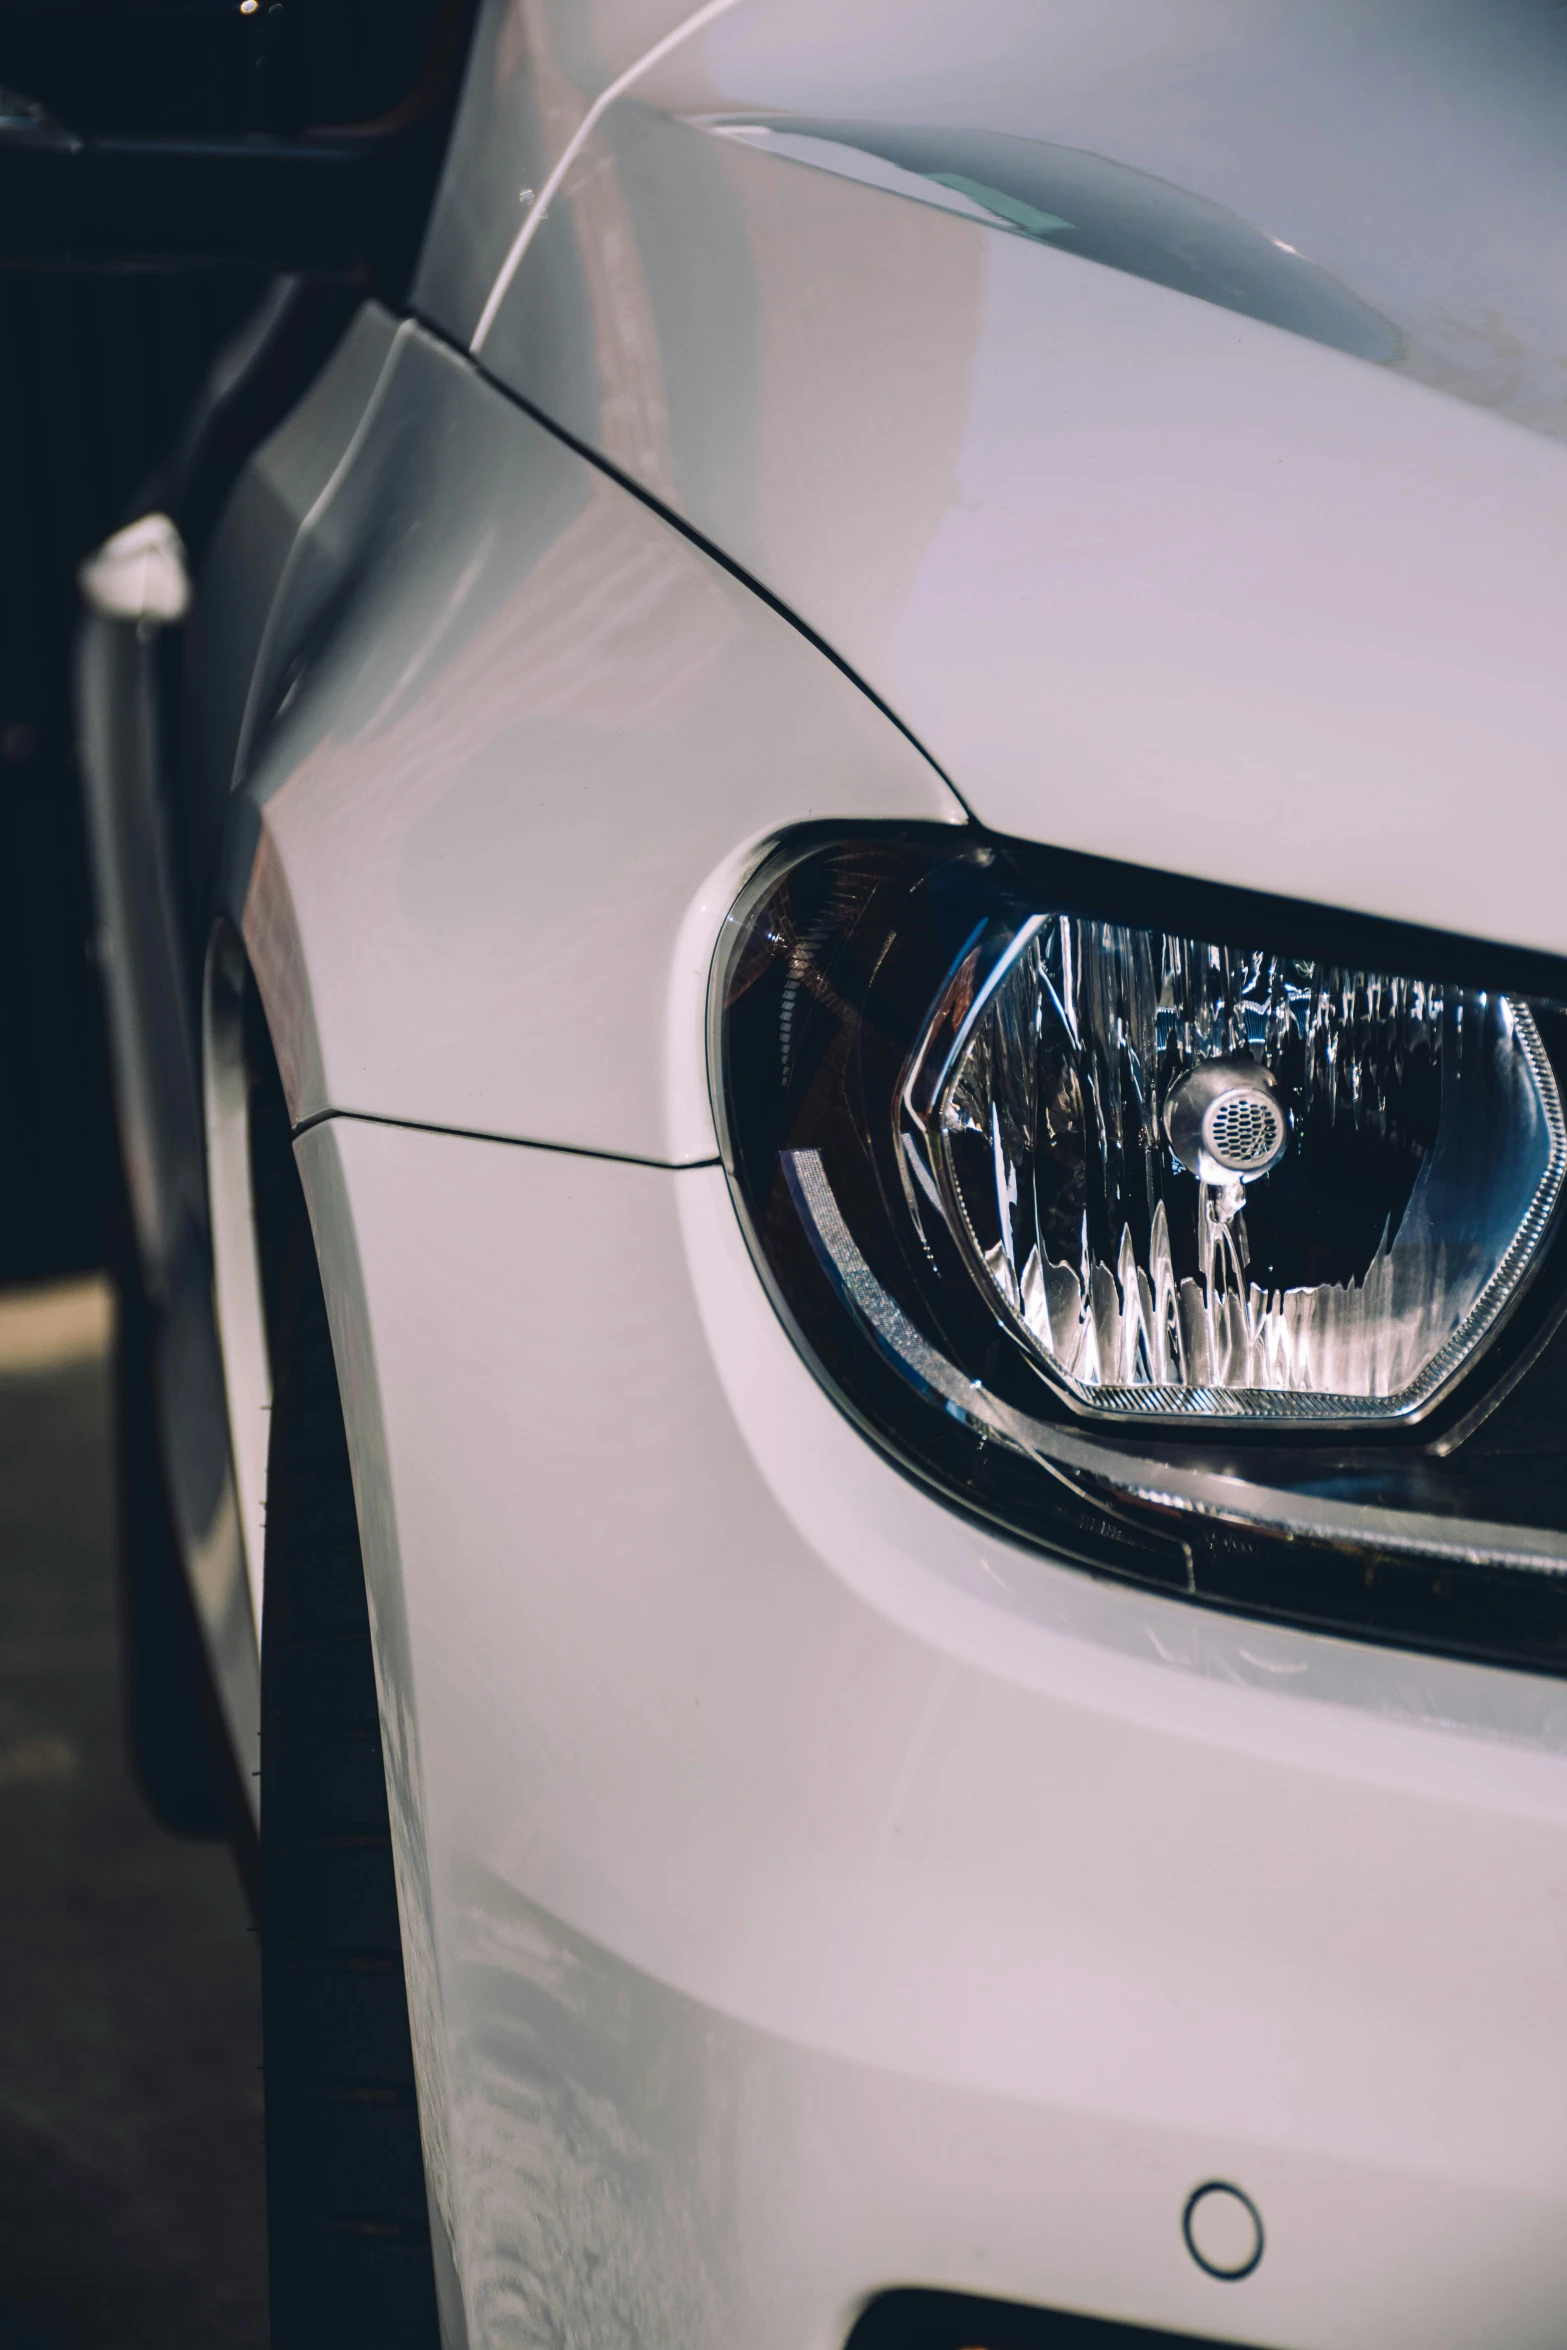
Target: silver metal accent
<point>1195,1493</point>
<point>153,1066</point>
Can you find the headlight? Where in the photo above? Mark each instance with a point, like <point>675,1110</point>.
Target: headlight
<point>1196,1236</point>
<point>1206,1178</point>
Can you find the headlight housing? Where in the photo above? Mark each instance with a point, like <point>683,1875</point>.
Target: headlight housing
<point>1204,1238</point>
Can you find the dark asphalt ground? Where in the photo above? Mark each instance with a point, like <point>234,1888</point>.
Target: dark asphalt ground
<point>131,2182</point>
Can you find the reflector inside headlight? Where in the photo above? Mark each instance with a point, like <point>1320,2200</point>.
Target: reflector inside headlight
<point>1204,1179</point>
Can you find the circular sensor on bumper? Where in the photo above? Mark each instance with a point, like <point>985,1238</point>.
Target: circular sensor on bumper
<point>1223,2230</point>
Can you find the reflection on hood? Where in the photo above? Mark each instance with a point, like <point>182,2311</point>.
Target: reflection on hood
<point>1101,211</point>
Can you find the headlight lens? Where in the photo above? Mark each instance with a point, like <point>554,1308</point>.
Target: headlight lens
<point>1201,1178</point>
<point>1071,1183</point>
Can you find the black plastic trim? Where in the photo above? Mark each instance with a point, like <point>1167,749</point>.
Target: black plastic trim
<point>911,2319</point>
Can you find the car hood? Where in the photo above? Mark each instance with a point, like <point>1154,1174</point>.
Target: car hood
<point>1161,412</point>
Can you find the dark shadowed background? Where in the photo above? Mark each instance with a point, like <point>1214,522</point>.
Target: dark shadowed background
<point>131,2187</point>
<point>161,161</point>
<point>96,373</point>
<point>131,2176</point>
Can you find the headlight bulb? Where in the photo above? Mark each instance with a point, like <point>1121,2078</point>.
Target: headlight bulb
<point>1227,1120</point>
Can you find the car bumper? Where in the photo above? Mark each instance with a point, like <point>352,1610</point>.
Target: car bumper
<point>807,1892</point>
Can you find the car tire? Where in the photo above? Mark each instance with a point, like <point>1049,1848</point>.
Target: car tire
<point>350,2253</point>
<point>177,1744</point>
<point>169,1708</point>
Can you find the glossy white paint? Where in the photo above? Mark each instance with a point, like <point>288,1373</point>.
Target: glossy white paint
<point>534,77</point>
<point>1408,150</point>
<point>536,203</point>
<point>265,542</point>
<point>1144,576</point>
<point>513,781</point>
<point>825,1894</point>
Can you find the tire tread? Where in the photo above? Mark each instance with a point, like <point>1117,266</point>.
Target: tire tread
<point>348,2221</point>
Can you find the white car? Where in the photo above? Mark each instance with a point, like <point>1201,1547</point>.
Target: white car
<point>834,924</point>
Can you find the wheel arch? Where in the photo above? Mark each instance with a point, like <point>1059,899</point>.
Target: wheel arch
<point>273,1190</point>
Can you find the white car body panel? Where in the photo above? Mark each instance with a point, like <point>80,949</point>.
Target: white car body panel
<point>1409,150</point>
<point>264,552</point>
<point>569,731</point>
<point>826,1893</point>
<point>1145,577</point>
